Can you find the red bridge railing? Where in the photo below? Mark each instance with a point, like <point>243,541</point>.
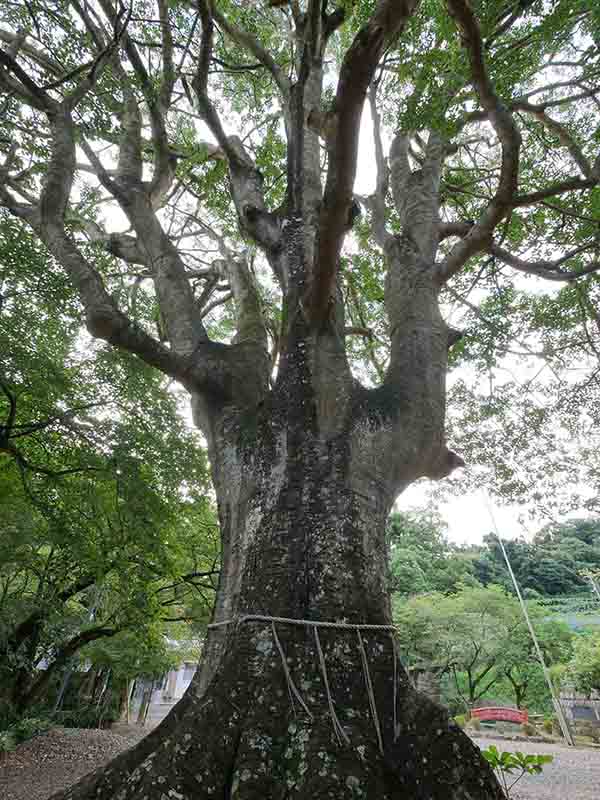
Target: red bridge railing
<point>500,714</point>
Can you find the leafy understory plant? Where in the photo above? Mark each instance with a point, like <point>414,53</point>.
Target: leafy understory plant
<point>507,764</point>
<point>7,743</point>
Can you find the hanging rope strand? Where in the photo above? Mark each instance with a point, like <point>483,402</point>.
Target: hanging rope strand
<point>395,692</point>
<point>292,688</point>
<point>337,726</point>
<point>293,691</point>
<point>370,692</point>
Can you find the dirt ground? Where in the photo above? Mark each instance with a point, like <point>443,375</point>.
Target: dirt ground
<point>57,759</point>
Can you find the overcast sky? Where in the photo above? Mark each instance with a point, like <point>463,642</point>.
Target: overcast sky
<point>468,516</point>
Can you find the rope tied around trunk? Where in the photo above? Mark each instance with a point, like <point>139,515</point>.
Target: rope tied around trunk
<point>294,692</point>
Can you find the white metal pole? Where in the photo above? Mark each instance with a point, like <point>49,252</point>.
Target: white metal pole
<point>595,588</point>
<point>556,702</point>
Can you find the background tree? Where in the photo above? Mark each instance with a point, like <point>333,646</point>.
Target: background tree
<point>98,536</point>
<point>584,669</point>
<point>519,662</point>
<point>553,563</point>
<point>479,639</point>
<point>422,559</point>
<point>306,460</point>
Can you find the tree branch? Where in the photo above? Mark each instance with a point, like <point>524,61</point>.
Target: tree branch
<point>246,180</point>
<point>508,135</point>
<point>358,68</point>
<point>564,136</point>
<point>377,199</point>
<point>64,653</point>
<point>571,185</point>
<point>26,88</point>
<point>550,270</point>
<point>250,43</point>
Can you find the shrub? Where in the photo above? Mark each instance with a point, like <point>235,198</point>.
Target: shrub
<point>589,730</point>
<point>7,742</point>
<point>461,720</point>
<point>87,717</point>
<point>528,729</point>
<point>548,726</point>
<point>507,764</point>
<point>28,727</point>
<point>475,724</point>
<point>21,731</point>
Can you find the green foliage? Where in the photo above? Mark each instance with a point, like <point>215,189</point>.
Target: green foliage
<point>7,742</point>
<point>584,668</point>
<point>422,559</point>
<point>106,521</point>
<point>479,638</point>
<point>508,764</point>
<point>28,727</point>
<point>22,730</point>
<point>552,564</point>
<point>89,715</point>
<point>134,653</point>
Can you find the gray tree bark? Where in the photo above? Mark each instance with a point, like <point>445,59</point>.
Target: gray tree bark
<point>303,529</point>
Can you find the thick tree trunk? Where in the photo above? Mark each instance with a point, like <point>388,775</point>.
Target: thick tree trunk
<point>302,519</point>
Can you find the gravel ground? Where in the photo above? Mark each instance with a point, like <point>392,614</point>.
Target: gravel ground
<point>56,759</point>
<point>573,775</point>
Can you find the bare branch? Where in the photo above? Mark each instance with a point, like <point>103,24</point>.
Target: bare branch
<point>564,136</point>
<point>508,135</point>
<point>164,165</point>
<point>572,185</point>
<point>168,66</point>
<point>550,270</point>
<point>120,245</point>
<point>250,322</point>
<point>246,180</point>
<point>377,200</point>
<point>24,87</point>
<point>220,301</point>
<point>250,43</point>
<point>358,68</point>
<point>31,52</point>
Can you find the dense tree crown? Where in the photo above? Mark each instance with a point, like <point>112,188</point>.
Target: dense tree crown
<point>198,119</point>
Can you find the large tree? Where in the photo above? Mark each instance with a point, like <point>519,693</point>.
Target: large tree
<point>193,116</point>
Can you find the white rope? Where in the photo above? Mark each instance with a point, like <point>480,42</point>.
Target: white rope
<point>291,621</point>
<point>395,657</point>
<point>292,688</point>
<point>337,725</point>
<point>370,693</point>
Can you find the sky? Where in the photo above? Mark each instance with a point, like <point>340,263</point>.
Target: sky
<point>468,515</point>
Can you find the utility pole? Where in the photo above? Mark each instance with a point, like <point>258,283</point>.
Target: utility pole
<point>556,702</point>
